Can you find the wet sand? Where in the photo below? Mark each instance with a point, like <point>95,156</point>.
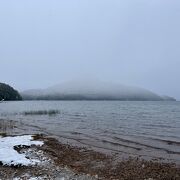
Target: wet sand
<point>85,163</point>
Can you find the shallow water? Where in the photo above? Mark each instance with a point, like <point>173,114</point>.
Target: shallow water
<point>140,128</point>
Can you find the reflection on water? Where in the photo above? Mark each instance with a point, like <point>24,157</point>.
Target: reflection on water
<point>141,128</point>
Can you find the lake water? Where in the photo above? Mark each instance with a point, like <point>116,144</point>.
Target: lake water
<point>149,129</point>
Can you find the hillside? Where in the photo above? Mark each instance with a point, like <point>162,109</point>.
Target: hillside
<point>91,90</point>
<point>8,93</point>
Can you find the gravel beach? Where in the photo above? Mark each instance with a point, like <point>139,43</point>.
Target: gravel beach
<point>65,161</point>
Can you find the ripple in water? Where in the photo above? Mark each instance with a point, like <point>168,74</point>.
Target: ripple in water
<point>140,128</point>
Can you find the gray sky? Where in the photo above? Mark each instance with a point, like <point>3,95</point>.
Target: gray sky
<point>45,42</point>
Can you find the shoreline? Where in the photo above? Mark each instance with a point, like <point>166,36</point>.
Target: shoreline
<point>84,164</point>
<point>87,163</point>
<point>83,160</point>
<point>121,147</point>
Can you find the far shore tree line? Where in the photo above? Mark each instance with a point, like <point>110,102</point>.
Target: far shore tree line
<point>8,93</point>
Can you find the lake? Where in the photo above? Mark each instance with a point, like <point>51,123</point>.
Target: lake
<point>148,129</point>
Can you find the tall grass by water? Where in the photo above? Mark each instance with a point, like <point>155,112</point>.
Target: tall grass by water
<point>42,112</point>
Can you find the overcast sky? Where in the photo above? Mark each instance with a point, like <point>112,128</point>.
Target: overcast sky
<point>46,42</point>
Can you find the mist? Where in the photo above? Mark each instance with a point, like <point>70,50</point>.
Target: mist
<point>92,89</point>
<point>43,43</point>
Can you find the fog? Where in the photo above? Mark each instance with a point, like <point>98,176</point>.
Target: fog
<point>92,89</point>
<point>137,42</point>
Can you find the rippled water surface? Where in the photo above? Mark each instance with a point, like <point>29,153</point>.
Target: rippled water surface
<point>141,128</point>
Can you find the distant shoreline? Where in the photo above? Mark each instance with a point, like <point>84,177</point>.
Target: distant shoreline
<point>95,100</point>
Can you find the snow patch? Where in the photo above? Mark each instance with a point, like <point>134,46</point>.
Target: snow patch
<point>29,178</point>
<point>9,156</point>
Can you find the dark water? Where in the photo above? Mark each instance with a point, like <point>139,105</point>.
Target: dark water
<point>139,128</point>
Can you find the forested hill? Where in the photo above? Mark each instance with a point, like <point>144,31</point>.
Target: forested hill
<point>8,93</point>
<point>91,90</point>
